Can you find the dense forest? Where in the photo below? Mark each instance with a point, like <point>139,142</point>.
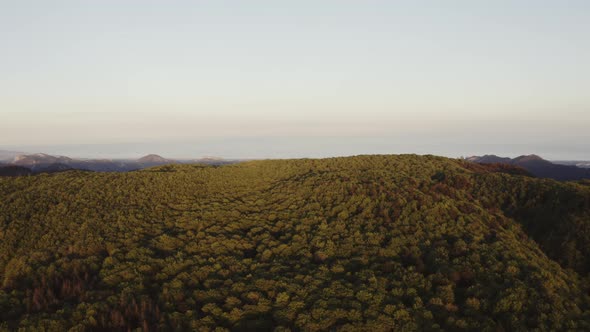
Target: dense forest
<point>354,244</point>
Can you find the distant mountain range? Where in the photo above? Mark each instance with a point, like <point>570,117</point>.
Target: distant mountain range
<point>16,164</point>
<point>538,166</point>
<point>25,164</point>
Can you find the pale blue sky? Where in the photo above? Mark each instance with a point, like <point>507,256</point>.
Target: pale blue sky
<point>281,79</point>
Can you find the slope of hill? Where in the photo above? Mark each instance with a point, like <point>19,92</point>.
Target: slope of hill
<point>54,168</point>
<point>360,243</point>
<point>213,161</point>
<point>538,166</point>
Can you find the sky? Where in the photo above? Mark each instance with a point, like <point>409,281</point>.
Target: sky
<point>280,79</point>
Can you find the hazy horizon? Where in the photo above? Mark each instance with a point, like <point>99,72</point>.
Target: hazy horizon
<point>300,147</point>
<point>306,79</point>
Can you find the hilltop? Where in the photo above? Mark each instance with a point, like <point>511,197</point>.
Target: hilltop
<point>359,243</point>
<point>153,158</point>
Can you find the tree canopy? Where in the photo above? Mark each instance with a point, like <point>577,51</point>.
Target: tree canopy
<point>359,243</point>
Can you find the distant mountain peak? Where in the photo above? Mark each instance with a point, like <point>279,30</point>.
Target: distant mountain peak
<point>489,159</point>
<point>530,157</point>
<point>153,159</point>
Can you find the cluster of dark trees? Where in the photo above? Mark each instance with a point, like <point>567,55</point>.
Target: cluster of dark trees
<point>13,170</point>
<point>360,243</point>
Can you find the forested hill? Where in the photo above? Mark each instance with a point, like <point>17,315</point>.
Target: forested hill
<point>361,243</point>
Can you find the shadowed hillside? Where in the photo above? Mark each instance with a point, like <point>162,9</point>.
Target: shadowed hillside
<point>360,243</point>
<point>12,170</point>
